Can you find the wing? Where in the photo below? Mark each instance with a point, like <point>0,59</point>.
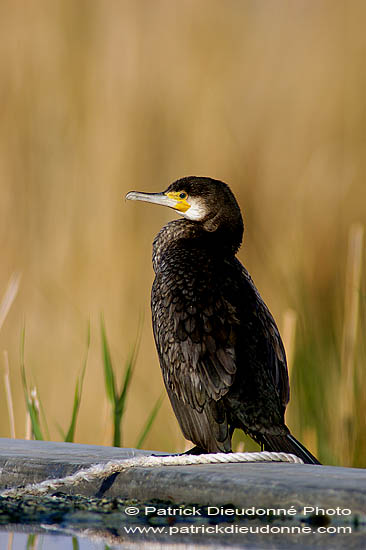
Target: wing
<point>195,332</point>
<point>274,355</point>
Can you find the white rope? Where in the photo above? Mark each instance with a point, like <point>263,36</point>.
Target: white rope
<point>100,471</point>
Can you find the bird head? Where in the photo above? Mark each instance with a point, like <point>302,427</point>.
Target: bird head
<point>199,199</point>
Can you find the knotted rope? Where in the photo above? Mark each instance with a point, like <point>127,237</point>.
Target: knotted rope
<point>100,471</point>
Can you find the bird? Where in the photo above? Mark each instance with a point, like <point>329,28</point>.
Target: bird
<point>220,351</point>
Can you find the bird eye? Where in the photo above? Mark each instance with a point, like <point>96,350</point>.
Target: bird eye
<point>182,195</point>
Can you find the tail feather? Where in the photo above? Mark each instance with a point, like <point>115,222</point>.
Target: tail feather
<point>287,443</point>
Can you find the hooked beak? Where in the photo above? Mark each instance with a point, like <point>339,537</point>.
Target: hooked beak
<point>155,198</point>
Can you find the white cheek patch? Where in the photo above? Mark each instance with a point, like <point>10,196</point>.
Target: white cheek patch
<point>196,211</point>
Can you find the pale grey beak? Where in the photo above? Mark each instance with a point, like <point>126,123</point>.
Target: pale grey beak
<point>155,198</point>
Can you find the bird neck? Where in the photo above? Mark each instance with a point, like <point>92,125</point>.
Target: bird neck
<point>224,241</point>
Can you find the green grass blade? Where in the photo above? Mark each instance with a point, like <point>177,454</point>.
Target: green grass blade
<point>69,438</point>
<point>137,343</point>
<point>31,542</point>
<point>34,416</point>
<point>119,406</point>
<point>110,385</point>
<point>130,363</point>
<point>117,399</point>
<point>60,431</point>
<point>146,429</point>
<point>121,398</point>
<point>44,418</point>
<point>117,430</point>
<point>29,401</point>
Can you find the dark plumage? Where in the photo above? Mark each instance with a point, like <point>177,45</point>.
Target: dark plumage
<point>221,355</point>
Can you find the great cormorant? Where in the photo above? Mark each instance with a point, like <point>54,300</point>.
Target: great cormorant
<point>220,351</point>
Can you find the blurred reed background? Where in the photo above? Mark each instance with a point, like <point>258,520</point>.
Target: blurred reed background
<point>98,98</point>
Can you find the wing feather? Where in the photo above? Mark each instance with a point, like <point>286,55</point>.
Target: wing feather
<point>276,356</point>
<point>195,340</point>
